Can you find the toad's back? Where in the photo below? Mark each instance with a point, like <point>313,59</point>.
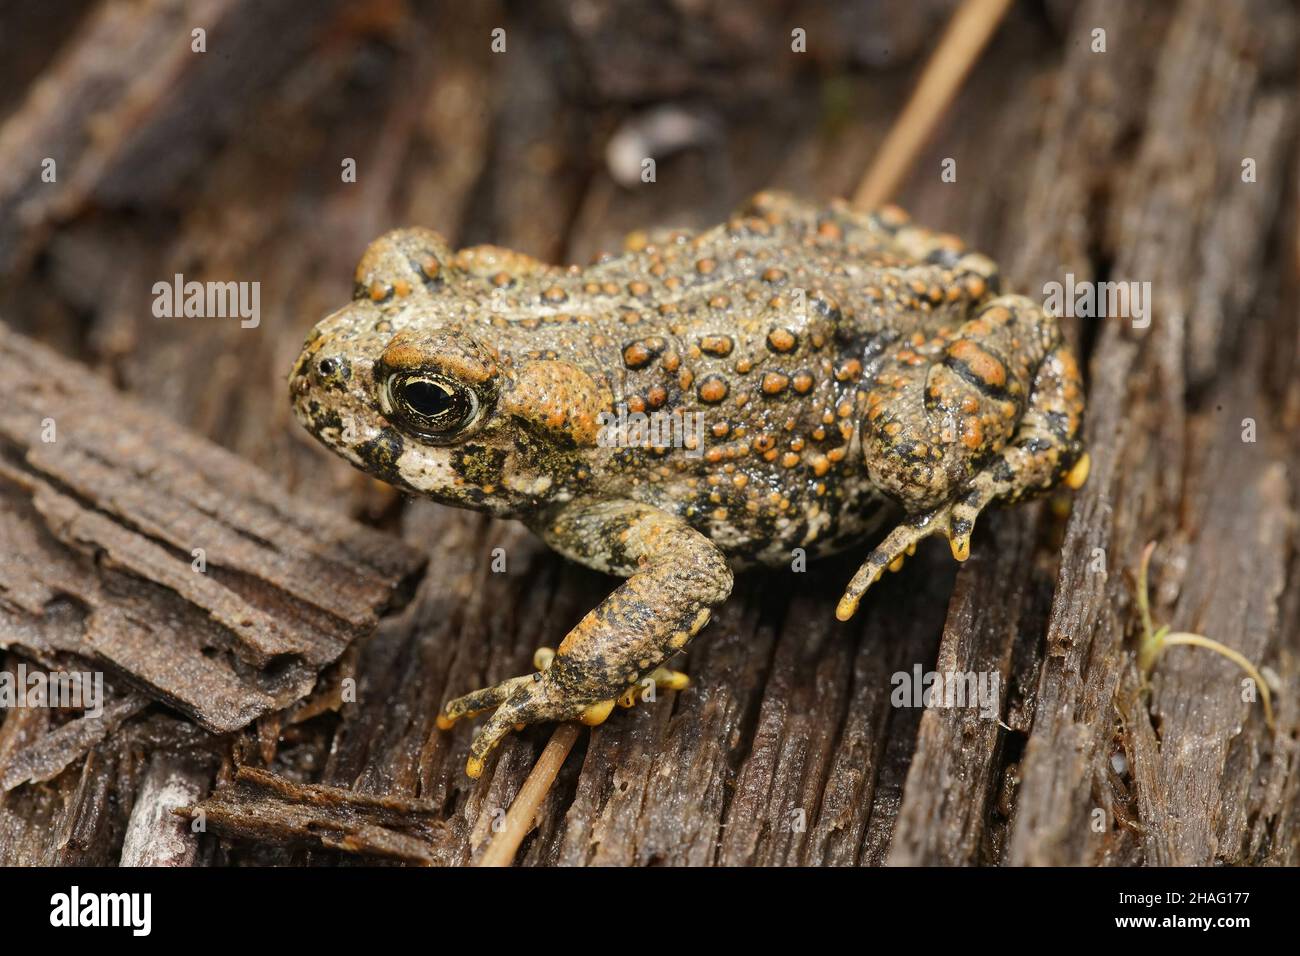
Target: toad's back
<point>750,350</point>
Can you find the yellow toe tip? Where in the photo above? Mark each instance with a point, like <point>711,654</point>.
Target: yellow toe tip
<point>846,609</point>
<point>597,714</point>
<point>676,681</point>
<point>474,767</point>
<point>960,548</point>
<point>1079,473</point>
<point>444,722</point>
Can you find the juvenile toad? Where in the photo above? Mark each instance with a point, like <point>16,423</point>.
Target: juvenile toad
<point>704,402</point>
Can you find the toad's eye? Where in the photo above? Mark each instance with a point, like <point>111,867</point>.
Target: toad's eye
<point>431,405</point>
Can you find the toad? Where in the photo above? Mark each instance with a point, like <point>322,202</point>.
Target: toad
<point>703,402</point>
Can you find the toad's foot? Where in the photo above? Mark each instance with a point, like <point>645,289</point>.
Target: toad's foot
<point>674,576</point>
<point>488,698</point>
<point>891,552</point>
<point>990,411</point>
<point>954,519</point>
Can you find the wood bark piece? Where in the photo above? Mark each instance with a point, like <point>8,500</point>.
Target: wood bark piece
<point>156,835</point>
<point>1150,449</point>
<point>1217,764</point>
<point>101,526</point>
<point>49,755</point>
<point>951,785</point>
<point>270,810</point>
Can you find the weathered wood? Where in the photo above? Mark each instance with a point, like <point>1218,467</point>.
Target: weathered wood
<point>952,782</point>
<point>49,754</point>
<point>272,811</point>
<point>1141,424</point>
<point>129,104</point>
<point>155,835</point>
<point>104,508</point>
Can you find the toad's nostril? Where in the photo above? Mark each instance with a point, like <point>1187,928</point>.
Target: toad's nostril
<point>328,366</point>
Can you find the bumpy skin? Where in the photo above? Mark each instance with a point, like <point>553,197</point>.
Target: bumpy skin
<point>841,364</point>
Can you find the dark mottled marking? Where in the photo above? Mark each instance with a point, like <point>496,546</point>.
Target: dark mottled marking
<point>480,465</point>
<point>381,454</point>
<point>969,375</point>
<point>1034,445</point>
<point>335,372</point>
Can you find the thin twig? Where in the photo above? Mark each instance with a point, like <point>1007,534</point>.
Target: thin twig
<point>967,32</point>
<point>523,811</point>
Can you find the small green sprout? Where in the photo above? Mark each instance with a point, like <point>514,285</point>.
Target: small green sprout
<point>1154,643</point>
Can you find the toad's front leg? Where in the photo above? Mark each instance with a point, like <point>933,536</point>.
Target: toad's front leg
<point>674,576</point>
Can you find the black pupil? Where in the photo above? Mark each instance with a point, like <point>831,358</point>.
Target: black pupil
<point>427,399</point>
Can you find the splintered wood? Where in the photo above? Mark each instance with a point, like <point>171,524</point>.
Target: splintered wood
<point>278,812</point>
<point>130,546</point>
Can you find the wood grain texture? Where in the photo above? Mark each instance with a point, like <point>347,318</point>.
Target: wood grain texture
<point>789,747</point>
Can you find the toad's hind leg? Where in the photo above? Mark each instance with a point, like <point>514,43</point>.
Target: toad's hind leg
<point>991,412</point>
